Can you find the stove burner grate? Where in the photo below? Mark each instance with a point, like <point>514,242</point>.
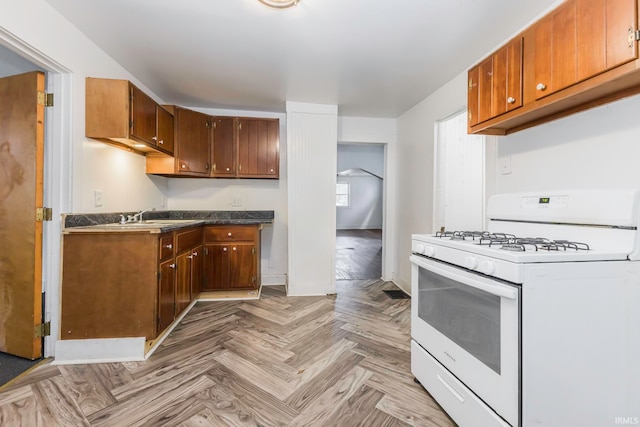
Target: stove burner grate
<point>510,242</point>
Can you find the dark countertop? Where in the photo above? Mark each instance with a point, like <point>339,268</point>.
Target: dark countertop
<point>161,221</point>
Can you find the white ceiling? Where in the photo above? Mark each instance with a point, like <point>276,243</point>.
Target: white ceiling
<point>372,58</point>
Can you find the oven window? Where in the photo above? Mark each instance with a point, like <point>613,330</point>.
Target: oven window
<point>467,316</point>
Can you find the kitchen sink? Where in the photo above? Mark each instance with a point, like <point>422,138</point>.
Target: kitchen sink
<point>147,223</point>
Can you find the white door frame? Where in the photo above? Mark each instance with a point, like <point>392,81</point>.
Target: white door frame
<point>57,173</point>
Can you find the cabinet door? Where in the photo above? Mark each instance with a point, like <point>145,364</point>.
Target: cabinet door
<point>258,148</point>
<point>192,140</point>
<point>143,116</point>
<point>242,270</point>
<point>216,267</point>
<point>166,295</point>
<point>514,74</point>
<point>196,271</point>
<point>485,90</point>
<point>165,130</point>
<point>223,153</point>
<point>183,281</point>
<point>556,50</point>
<point>472,96</point>
<point>622,16</point>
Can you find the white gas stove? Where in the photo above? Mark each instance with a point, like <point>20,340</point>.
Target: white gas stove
<point>506,322</point>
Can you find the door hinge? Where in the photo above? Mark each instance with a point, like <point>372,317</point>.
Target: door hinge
<point>42,330</point>
<point>253,251</point>
<point>214,124</point>
<point>45,99</point>
<point>239,126</point>
<point>44,214</point>
<point>206,251</point>
<point>637,34</point>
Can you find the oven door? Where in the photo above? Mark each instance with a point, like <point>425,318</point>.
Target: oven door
<point>471,325</point>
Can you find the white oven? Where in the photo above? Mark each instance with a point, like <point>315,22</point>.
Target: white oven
<point>532,331</point>
<point>471,324</point>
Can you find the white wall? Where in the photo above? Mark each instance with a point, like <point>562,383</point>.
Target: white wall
<point>598,148</point>
<point>416,145</point>
<point>312,132</point>
<point>256,194</point>
<point>365,208</point>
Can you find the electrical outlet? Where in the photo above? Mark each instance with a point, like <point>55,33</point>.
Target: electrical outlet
<point>163,201</point>
<point>236,202</point>
<point>505,165</point>
<point>97,198</point>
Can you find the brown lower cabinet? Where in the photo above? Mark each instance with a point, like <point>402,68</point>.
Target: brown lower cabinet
<point>231,257</point>
<point>135,284</point>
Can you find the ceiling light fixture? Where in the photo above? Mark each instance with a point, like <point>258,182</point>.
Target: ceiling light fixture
<point>280,4</point>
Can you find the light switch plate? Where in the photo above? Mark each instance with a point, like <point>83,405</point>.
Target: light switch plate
<point>97,198</point>
<point>505,165</point>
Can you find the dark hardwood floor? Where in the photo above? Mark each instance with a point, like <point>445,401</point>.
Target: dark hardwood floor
<point>339,360</point>
<point>358,254</point>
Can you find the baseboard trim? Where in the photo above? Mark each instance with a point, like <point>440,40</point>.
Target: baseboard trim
<point>273,280</point>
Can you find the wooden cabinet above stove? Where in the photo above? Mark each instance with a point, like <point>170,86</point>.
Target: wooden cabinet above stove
<point>582,54</point>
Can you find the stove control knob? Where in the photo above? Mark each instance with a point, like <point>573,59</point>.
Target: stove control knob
<point>429,251</point>
<point>471,262</point>
<point>420,248</point>
<point>487,267</point>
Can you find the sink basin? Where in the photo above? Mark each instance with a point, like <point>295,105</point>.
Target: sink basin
<point>147,223</point>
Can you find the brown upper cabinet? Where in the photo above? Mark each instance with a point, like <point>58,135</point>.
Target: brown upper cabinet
<point>581,54</point>
<point>258,148</point>
<point>119,113</point>
<point>495,85</point>
<point>223,148</point>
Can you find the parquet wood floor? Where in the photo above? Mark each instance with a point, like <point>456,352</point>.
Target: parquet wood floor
<point>306,361</point>
<point>358,254</point>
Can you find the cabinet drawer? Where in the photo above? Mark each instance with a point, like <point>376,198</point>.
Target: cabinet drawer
<point>166,246</point>
<point>189,239</point>
<point>230,233</point>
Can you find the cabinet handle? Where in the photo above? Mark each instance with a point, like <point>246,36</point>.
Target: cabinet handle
<point>172,266</point>
<point>229,234</point>
<point>161,142</point>
<point>234,248</point>
<point>224,249</point>
<point>155,138</point>
<point>541,86</point>
<point>511,100</point>
<point>169,246</point>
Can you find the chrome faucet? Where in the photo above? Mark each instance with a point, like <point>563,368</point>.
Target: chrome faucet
<point>139,215</point>
<point>134,218</point>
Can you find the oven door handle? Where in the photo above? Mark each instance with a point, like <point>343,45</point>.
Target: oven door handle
<point>498,290</point>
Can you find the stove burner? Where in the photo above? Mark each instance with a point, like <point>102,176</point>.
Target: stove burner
<point>510,242</point>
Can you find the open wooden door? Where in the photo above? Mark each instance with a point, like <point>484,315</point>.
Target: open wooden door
<point>21,192</point>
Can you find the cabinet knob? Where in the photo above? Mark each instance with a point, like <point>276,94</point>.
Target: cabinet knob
<point>190,256</point>
<point>183,166</point>
<point>161,142</point>
<point>195,254</point>
<point>541,86</point>
<point>169,246</point>
<point>207,166</point>
<point>511,100</point>
<point>228,169</point>
<point>155,138</point>
<point>271,170</point>
<point>229,234</point>
<point>224,249</point>
<point>234,248</point>
<point>172,266</point>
